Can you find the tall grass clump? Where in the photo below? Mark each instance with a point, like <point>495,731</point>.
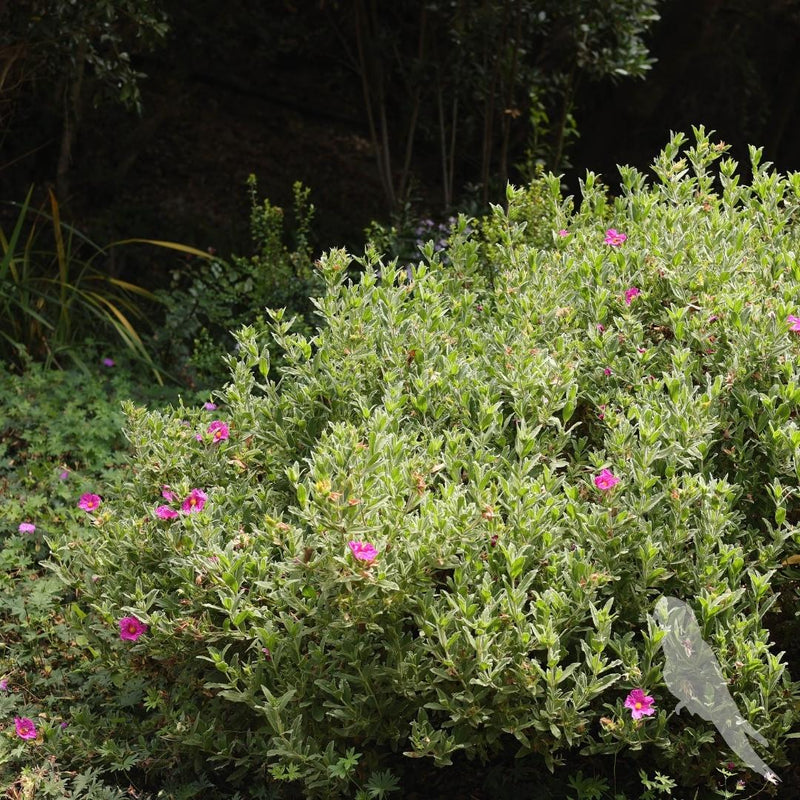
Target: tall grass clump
<point>56,291</point>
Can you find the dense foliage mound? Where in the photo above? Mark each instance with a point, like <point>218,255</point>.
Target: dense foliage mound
<point>441,535</point>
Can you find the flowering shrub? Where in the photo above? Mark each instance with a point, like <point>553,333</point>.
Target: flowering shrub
<point>363,551</point>
<point>630,294</point>
<point>440,537</point>
<point>614,237</point>
<point>219,431</point>
<point>131,629</point>
<point>606,479</point>
<point>194,502</point>
<point>640,704</point>
<point>25,728</point>
<point>89,502</point>
<point>165,512</point>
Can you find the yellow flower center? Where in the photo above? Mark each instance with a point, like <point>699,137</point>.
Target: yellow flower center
<point>638,706</point>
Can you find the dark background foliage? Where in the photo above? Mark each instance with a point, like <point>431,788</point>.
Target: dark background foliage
<point>729,64</point>
<point>272,88</point>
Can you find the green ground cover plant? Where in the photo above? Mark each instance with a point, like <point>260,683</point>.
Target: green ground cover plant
<point>61,438</point>
<point>426,548</point>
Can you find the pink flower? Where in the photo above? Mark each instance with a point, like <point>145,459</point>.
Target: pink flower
<point>630,294</point>
<point>108,362</point>
<point>600,327</point>
<point>363,551</point>
<point>219,430</point>
<point>167,494</point>
<point>194,502</point>
<point>607,371</point>
<point>4,685</point>
<point>130,629</point>
<point>199,437</point>
<point>89,502</point>
<point>165,512</point>
<point>563,233</point>
<point>26,527</point>
<point>605,480</point>
<point>25,728</point>
<point>640,704</point>
<point>613,238</point>
<point>795,322</point>
<point>210,406</point>
<point>63,475</point>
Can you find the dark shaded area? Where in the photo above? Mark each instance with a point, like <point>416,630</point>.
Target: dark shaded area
<point>731,66</point>
<point>265,88</point>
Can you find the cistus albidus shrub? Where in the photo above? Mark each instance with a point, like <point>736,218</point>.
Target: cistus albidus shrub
<point>443,532</point>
